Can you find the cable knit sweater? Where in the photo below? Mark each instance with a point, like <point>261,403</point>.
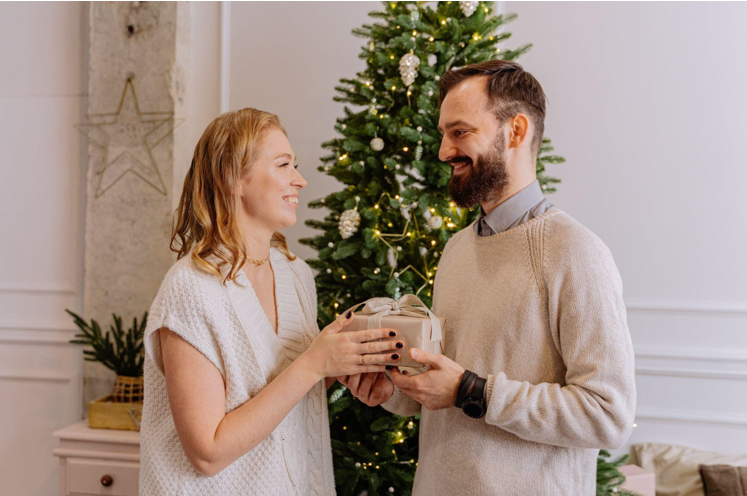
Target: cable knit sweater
<point>538,310</point>
<point>228,325</point>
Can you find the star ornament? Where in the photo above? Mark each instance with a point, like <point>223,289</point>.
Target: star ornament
<point>126,139</point>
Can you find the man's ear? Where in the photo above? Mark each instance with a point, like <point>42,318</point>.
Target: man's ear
<point>519,131</point>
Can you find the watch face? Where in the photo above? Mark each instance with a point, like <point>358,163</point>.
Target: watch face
<point>473,409</point>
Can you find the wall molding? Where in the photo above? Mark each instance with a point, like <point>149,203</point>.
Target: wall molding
<point>225,55</point>
<point>667,415</point>
<point>40,289</point>
<point>35,376</point>
<point>692,373</point>
<point>690,354</point>
<point>686,306</point>
<point>39,325</point>
<point>33,340</point>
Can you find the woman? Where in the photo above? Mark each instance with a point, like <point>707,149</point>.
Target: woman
<point>235,399</point>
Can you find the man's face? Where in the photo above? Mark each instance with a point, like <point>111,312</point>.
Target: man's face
<point>473,144</point>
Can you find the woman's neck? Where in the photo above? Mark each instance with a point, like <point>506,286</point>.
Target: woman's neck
<point>257,240</point>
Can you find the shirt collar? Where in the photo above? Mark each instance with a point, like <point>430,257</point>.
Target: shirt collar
<point>507,213</point>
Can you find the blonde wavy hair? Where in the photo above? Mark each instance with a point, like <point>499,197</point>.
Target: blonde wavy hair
<point>206,221</point>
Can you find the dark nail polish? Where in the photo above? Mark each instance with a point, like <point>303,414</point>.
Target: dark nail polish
<point>395,356</point>
<point>392,333</point>
<point>400,345</point>
<point>347,315</point>
<point>390,367</point>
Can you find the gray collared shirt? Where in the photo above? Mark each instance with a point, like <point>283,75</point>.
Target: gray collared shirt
<point>523,206</point>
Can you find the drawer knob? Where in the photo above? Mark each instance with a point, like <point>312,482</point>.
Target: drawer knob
<point>107,481</point>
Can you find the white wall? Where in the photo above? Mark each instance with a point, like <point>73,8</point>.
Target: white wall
<point>647,103</point>
<point>42,203</point>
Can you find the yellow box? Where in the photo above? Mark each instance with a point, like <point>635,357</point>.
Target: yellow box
<point>106,414</point>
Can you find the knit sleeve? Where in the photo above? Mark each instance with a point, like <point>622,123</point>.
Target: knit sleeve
<point>595,406</point>
<point>401,404</point>
<point>183,305</point>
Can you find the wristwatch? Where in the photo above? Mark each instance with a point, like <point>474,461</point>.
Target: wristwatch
<point>474,405</point>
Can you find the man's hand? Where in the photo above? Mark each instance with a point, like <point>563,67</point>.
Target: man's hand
<point>436,388</point>
<point>371,388</point>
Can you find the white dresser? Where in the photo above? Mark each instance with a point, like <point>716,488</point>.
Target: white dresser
<point>98,461</point>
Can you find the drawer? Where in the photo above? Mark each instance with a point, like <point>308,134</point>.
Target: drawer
<point>84,477</point>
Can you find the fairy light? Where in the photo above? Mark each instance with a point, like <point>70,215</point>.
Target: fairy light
<point>409,234</point>
<point>337,305</point>
<point>433,242</point>
<point>343,157</point>
<point>430,39</point>
<point>430,274</point>
<point>486,10</point>
<point>433,210</point>
<point>405,149</point>
<point>378,232</point>
<point>392,56</point>
<point>452,204</point>
<point>376,206</point>
<point>450,224</point>
<point>394,87</point>
<point>414,33</point>
<point>396,197</point>
<point>344,427</point>
<point>344,277</point>
<point>443,22</point>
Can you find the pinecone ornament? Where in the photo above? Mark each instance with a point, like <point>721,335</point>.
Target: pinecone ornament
<point>349,222</point>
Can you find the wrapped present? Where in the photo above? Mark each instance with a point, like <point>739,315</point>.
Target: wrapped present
<point>638,480</point>
<point>415,324</point>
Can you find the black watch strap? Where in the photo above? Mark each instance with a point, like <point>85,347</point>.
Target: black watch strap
<point>467,379</point>
<point>474,404</point>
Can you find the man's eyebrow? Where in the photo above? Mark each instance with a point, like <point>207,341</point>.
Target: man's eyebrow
<point>455,124</point>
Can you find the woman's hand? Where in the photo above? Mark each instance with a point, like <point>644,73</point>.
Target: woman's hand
<point>334,353</point>
<point>371,389</point>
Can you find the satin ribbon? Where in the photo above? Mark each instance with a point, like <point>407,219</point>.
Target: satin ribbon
<point>409,305</point>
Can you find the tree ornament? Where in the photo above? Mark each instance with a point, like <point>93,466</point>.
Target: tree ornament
<point>331,244</point>
<point>349,222</point>
<point>468,8</point>
<point>435,222</point>
<point>391,490</point>
<point>371,47</point>
<point>377,144</point>
<point>418,152</point>
<point>415,15</point>
<point>423,250</point>
<point>408,68</point>
<point>391,258</point>
<point>372,109</point>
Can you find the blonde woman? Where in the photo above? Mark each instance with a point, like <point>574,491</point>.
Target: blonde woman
<point>235,372</point>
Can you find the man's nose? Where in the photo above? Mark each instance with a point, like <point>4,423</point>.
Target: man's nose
<point>447,150</point>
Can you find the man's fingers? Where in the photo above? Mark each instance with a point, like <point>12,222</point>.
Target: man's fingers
<point>367,382</point>
<point>402,381</point>
<point>353,384</point>
<point>425,358</point>
<point>343,379</point>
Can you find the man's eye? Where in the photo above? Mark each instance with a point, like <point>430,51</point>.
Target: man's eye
<point>458,133</point>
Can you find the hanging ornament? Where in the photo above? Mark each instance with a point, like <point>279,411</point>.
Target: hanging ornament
<point>371,47</point>
<point>468,8</point>
<point>415,15</point>
<point>391,258</point>
<point>408,68</point>
<point>349,221</point>
<point>377,144</point>
<point>418,152</point>
<point>435,222</point>
<point>423,250</point>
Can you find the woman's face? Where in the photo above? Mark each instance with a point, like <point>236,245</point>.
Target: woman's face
<point>269,188</point>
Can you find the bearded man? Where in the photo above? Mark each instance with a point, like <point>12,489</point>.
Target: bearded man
<point>537,367</point>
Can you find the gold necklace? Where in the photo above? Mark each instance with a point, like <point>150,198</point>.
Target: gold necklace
<point>257,262</point>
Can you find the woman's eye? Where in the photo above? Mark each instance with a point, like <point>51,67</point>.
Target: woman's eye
<point>295,166</point>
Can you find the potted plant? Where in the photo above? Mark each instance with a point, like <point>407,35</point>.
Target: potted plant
<point>121,351</point>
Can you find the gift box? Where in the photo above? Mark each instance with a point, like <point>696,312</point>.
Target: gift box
<point>638,480</point>
<point>415,324</point>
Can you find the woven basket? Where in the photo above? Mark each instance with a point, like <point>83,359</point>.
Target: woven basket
<point>128,389</point>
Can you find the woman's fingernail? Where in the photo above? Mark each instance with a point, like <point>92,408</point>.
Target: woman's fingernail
<point>392,333</point>
<point>395,356</point>
<point>348,315</point>
<point>400,345</point>
<point>390,367</point>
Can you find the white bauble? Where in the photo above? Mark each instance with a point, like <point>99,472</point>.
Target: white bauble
<point>377,144</point>
<point>435,222</point>
<point>391,258</point>
<point>468,8</point>
<point>423,250</point>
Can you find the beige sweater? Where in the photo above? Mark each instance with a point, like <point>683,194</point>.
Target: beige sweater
<point>538,310</point>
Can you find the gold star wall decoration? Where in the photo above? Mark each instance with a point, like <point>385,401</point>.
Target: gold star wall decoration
<point>126,139</point>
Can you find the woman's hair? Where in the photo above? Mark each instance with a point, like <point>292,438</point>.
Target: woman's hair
<point>207,218</point>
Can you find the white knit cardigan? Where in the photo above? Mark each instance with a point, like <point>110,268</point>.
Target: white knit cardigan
<point>227,324</point>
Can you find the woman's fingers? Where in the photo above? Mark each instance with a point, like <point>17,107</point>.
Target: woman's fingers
<point>380,346</point>
<point>372,335</point>
<point>367,382</point>
<point>340,322</point>
<point>382,358</point>
<point>353,384</point>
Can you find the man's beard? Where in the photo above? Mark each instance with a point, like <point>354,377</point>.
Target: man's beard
<point>486,179</point>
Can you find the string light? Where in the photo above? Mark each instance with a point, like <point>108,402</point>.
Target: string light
<point>343,157</point>
<point>405,149</point>
<point>394,87</point>
<point>452,204</point>
<point>376,206</point>
<point>378,232</point>
<point>414,33</point>
<point>433,242</point>
<point>443,22</point>
<point>337,305</point>
<point>433,210</point>
<point>430,39</point>
<point>344,277</point>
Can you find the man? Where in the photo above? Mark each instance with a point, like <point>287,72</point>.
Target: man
<point>536,345</point>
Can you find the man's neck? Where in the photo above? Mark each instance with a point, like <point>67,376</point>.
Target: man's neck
<point>492,203</point>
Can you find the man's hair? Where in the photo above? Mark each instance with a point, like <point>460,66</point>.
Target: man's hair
<point>510,90</point>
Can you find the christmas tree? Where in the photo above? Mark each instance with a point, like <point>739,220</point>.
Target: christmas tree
<point>387,228</point>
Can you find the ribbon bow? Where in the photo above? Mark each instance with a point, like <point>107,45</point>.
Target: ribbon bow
<point>409,305</point>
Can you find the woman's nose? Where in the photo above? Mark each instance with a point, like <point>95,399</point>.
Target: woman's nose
<point>299,180</point>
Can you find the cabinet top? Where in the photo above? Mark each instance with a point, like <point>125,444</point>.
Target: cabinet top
<point>81,432</point>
